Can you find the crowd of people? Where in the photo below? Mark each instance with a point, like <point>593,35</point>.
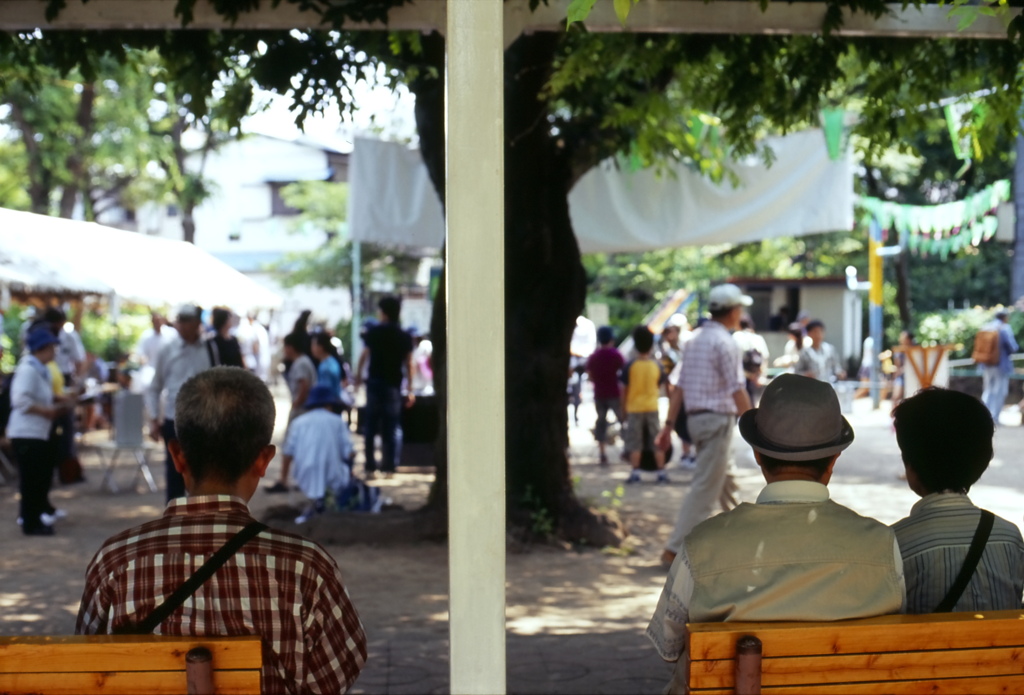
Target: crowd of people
<point>204,378</point>
<point>48,406</point>
<point>793,554</point>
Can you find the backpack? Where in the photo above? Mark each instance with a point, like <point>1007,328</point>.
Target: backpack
<point>986,348</point>
<point>752,360</point>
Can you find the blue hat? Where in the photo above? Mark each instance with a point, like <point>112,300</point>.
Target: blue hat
<point>41,337</point>
<point>320,395</point>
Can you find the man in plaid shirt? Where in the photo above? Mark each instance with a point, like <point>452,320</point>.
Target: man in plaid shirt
<point>712,384</point>
<point>279,586</point>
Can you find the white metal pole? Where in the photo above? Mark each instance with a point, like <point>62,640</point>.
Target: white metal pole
<point>476,309</point>
<point>357,302</point>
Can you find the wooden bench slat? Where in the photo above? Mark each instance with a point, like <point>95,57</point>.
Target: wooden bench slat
<point>865,667</point>
<point>125,683</point>
<point>117,653</point>
<point>996,685</point>
<point>714,641</point>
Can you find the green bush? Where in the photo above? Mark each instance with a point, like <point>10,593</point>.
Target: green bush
<point>112,340</point>
<point>959,327</point>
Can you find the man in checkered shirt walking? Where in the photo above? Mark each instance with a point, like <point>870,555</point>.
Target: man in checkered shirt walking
<point>713,386</point>
<point>280,586</point>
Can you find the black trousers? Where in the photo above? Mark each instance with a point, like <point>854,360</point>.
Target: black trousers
<point>36,460</point>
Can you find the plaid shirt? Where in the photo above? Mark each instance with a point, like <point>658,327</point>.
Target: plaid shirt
<point>711,370</point>
<point>279,586</point>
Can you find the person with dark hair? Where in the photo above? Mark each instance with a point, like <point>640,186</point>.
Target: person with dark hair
<point>642,378</point>
<point>945,438</point>
<point>301,332</point>
<point>228,347</point>
<point>819,360</point>
<point>754,349</point>
<point>280,586</point>
<point>794,554</point>
<point>603,367</point>
<point>301,378</point>
<point>711,377</point>
<point>179,360</point>
<point>329,372</point>
<point>796,342</point>
<point>388,352</point>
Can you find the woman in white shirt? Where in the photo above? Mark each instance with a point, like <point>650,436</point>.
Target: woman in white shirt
<point>33,409</point>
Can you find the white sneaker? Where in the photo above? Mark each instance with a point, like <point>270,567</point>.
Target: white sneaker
<point>48,519</point>
<point>59,514</point>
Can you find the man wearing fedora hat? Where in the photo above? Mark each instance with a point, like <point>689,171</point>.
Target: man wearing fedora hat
<point>795,554</point>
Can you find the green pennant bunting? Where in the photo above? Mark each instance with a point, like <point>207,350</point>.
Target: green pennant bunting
<point>953,124</point>
<point>945,228</point>
<point>832,122</point>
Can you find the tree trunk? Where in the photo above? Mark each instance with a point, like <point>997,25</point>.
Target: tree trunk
<point>40,178</point>
<point>544,293</point>
<point>75,162</point>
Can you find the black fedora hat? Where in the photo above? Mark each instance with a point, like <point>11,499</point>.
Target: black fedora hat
<point>799,419</point>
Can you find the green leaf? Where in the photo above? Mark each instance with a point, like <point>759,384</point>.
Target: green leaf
<point>578,11</point>
<point>622,10</point>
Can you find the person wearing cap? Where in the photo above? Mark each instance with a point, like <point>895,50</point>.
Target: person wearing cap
<point>317,447</point>
<point>711,382</point>
<point>33,410</point>
<point>819,360</point>
<point>603,367</point>
<point>996,377</point>
<point>794,554</point>
<point>179,359</point>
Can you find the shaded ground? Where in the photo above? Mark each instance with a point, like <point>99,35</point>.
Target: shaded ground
<point>575,617</point>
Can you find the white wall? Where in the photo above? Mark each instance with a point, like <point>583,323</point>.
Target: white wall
<point>240,203</point>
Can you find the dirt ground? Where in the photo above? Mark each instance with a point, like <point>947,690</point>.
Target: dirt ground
<point>563,604</point>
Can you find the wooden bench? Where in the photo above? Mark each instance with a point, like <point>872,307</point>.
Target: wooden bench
<point>971,653</point>
<point>130,665</point>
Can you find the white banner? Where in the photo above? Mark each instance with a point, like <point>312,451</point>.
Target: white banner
<point>392,200</point>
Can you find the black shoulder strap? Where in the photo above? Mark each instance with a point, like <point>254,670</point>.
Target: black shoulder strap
<point>202,574</point>
<point>970,562</point>
<point>213,353</point>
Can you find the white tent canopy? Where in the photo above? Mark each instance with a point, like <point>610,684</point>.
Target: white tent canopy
<point>392,200</point>
<point>54,254</point>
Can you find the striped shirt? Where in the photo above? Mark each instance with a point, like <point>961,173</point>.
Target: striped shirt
<point>711,370</point>
<point>934,541</point>
<point>279,586</point>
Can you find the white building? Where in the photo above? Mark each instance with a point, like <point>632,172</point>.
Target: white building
<point>246,224</point>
